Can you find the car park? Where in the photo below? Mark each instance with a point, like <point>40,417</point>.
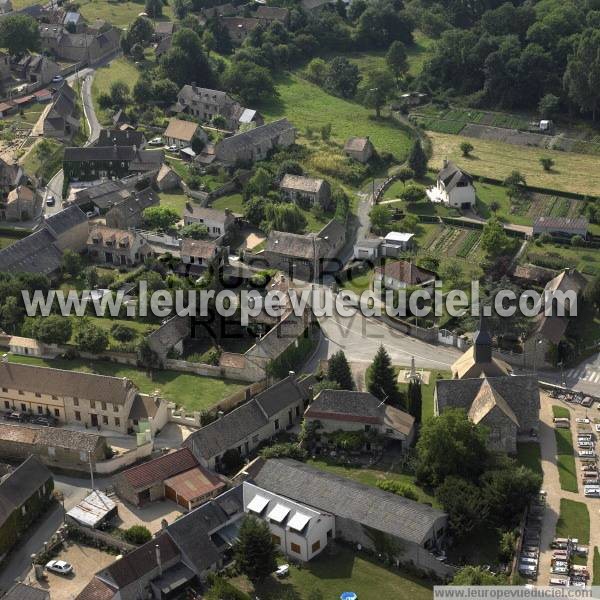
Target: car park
<point>59,566</point>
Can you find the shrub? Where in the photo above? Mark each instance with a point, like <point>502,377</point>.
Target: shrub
<point>137,534</point>
<point>399,488</point>
<point>122,333</point>
<point>288,450</point>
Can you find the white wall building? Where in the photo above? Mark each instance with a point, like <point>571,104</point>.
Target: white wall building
<point>454,187</point>
<point>299,531</point>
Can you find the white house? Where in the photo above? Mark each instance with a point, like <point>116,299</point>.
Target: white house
<point>454,187</point>
<point>299,531</point>
<point>367,249</point>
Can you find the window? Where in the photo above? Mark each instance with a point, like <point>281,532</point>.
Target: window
<point>115,408</point>
<point>6,404</point>
<point>75,400</point>
<point>389,430</point>
<point>92,404</point>
<point>83,456</point>
<point>21,392</point>
<point>40,410</point>
<point>276,424</point>
<point>276,539</point>
<point>5,390</point>
<point>54,397</point>
<point>77,415</point>
<point>104,406</point>
<point>51,451</point>
<point>295,548</point>
<point>117,422</point>
<point>38,395</point>
<point>316,546</point>
<point>56,412</point>
<point>23,407</point>
<point>297,411</point>
<point>367,428</point>
<point>104,419</point>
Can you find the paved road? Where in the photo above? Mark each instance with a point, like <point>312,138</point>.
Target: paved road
<point>74,490</point>
<point>88,107</point>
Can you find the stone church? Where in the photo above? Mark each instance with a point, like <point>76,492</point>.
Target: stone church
<point>507,405</point>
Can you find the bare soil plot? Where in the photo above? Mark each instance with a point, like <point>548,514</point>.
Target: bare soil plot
<point>509,136</point>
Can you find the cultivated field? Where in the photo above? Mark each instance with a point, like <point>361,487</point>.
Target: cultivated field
<point>572,172</point>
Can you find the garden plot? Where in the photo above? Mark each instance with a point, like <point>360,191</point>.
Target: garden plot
<point>542,205</point>
<point>509,136</point>
<point>456,242</point>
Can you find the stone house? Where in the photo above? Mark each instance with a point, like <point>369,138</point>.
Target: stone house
<point>306,191</point>
<point>217,222</point>
<point>120,137</point>
<point>70,229</point>
<point>244,428</point>
<point>255,144</point>
<point>54,446</point>
<point>239,27</point>
<point>22,204</point>
<point>359,148</point>
<point>61,120</point>
<point>206,104</point>
<point>36,68</point>
<point>73,397</point>
<point>129,212</point>
<point>163,477</point>
<point>301,254</point>
<point>199,253</point>
<point>167,179</point>
<point>11,175</point>
<point>362,514</point>
<point>116,246</point>
<point>24,495</point>
<point>109,162</point>
<point>181,133</point>
<point>401,274</point>
<point>344,410</point>
<point>454,187</point>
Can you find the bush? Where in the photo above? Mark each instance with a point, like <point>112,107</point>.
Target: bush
<point>122,333</point>
<point>137,534</point>
<point>399,488</point>
<point>288,450</point>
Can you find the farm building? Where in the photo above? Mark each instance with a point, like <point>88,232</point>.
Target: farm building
<point>563,226</point>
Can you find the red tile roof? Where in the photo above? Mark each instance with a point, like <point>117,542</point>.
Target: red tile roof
<point>161,468</point>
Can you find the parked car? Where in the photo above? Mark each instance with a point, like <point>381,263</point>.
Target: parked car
<point>50,201</point>
<point>582,420</point>
<point>282,570</point>
<point>57,79</point>
<point>46,421</point>
<point>15,415</point>
<point>157,141</point>
<point>172,148</point>
<point>59,566</point>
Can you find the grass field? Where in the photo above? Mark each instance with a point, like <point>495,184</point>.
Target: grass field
<point>340,571</point>
<point>561,412</point>
<point>585,260</point>
<point>573,521</point>
<point>175,200</point>
<point>119,69</point>
<point>565,460</point>
<point>120,14</point>
<point>572,172</point>
<point>307,105</point>
<point>372,475</point>
<point>141,330</point>
<point>233,202</point>
<point>191,391</point>
<point>529,455</point>
<point>44,159</point>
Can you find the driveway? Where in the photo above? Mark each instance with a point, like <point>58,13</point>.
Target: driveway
<point>555,493</point>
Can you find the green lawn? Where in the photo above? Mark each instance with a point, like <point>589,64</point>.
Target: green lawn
<point>596,579</point>
<point>372,475</point>
<point>234,202</point>
<point>419,52</point>
<point>140,329</point>
<point>360,282</point>
<point>44,159</point>
<point>175,200</point>
<point>307,105</point>
<point>565,460</point>
<point>561,412</point>
<point>120,69</point>
<point>573,521</point>
<point>343,570</point>
<point>120,14</point>
<point>191,391</point>
<point>529,455</point>
<point>427,391</point>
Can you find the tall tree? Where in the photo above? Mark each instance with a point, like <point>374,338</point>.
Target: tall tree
<point>186,61</point>
<point>339,371</point>
<point>255,550</point>
<point>381,378</point>
<point>154,8</point>
<point>379,86</point>
<point>19,34</point>
<point>417,159</point>
<point>582,75</point>
<point>251,82</point>
<point>91,338</point>
<point>342,77</point>
<point>396,60</point>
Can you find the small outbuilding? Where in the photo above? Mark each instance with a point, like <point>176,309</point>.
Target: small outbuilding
<point>94,510</point>
<point>359,148</point>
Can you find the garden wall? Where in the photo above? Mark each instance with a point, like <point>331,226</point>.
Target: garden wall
<point>107,467</point>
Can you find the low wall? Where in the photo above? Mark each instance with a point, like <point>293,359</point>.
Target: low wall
<point>112,465</point>
<point>427,335</point>
<point>245,372</point>
<point>100,537</point>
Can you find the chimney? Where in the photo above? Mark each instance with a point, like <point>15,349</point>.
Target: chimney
<point>248,394</point>
<point>158,560</point>
<point>445,163</point>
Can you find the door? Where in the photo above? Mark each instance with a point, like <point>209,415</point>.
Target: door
<point>170,493</point>
<point>290,417</point>
<point>143,497</point>
<point>94,420</point>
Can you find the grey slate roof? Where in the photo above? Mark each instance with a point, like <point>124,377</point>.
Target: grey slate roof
<point>20,591</point>
<point>363,504</point>
<point>21,484</point>
<point>191,532</point>
<point>128,137</point>
<point>226,432</point>
<point>348,402</point>
<point>136,202</point>
<point>34,254</point>
<point>451,175</point>
<point>521,393</point>
<point>65,220</point>
<point>254,137</point>
<point>56,437</point>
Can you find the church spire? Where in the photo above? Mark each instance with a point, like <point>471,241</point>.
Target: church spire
<point>482,342</point>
